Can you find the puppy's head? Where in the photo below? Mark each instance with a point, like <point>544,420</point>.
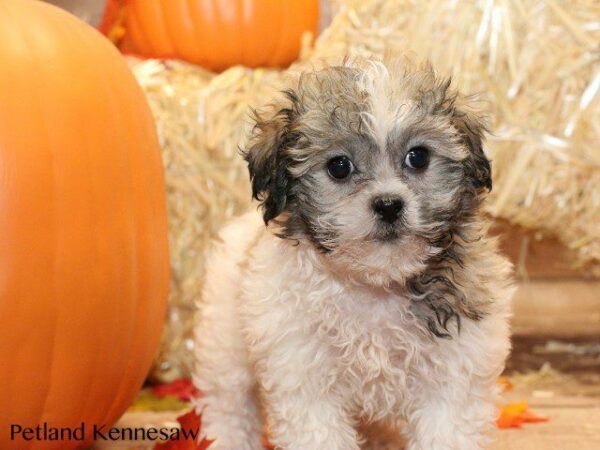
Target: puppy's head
<point>374,167</point>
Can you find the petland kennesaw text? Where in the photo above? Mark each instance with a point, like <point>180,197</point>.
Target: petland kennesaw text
<point>44,432</point>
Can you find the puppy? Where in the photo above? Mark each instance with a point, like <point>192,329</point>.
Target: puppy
<point>373,294</point>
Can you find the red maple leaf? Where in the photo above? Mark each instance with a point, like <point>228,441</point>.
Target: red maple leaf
<point>189,437</point>
<point>182,388</point>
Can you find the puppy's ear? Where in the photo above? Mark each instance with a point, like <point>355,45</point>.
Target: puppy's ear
<point>472,130</point>
<point>469,125</point>
<point>268,159</point>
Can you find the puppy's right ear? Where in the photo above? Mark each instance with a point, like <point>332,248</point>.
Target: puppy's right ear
<point>268,159</point>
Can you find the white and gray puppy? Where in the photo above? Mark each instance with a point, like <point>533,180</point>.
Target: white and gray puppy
<point>373,294</point>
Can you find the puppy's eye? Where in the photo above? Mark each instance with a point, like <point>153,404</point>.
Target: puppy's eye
<point>417,158</point>
<point>340,167</point>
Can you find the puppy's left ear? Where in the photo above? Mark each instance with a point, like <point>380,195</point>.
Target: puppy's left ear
<point>469,125</point>
<point>268,158</point>
<point>472,130</point>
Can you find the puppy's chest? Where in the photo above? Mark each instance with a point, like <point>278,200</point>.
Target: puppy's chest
<point>374,338</point>
<point>375,349</point>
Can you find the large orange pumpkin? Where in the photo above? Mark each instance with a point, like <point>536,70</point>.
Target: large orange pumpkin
<point>220,33</point>
<point>83,234</point>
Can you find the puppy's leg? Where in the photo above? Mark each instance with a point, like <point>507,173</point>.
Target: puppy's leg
<point>223,373</point>
<point>453,400</point>
<point>228,390</point>
<point>305,406</point>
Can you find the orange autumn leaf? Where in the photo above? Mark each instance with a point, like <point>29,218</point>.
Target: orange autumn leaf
<point>514,415</point>
<point>505,384</point>
<point>191,424</point>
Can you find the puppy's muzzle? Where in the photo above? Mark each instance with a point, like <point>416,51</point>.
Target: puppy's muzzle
<point>387,209</point>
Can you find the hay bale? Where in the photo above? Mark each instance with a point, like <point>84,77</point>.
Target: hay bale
<point>201,120</point>
<point>536,61</point>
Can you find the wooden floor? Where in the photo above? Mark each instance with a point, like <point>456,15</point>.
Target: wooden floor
<point>569,397</point>
<point>574,423</point>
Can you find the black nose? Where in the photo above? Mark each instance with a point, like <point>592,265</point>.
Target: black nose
<point>387,209</point>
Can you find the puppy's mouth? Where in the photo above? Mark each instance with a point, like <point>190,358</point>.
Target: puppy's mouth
<point>387,234</point>
<point>390,231</point>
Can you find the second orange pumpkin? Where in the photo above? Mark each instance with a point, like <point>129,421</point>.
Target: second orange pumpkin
<point>218,34</point>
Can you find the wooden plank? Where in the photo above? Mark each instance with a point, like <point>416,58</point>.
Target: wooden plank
<point>557,308</point>
<point>539,256</point>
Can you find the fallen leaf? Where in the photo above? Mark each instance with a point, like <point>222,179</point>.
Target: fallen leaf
<point>182,388</point>
<point>191,424</point>
<point>514,415</point>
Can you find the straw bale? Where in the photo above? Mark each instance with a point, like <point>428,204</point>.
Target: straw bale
<point>201,120</point>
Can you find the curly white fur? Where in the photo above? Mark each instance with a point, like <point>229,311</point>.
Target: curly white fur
<point>324,353</point>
